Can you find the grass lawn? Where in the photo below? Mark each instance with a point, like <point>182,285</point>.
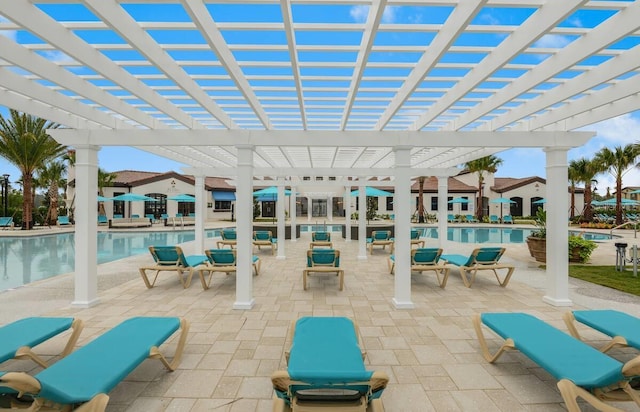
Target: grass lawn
<point>607,276</point>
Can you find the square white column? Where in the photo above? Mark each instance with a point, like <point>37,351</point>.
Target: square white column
<point>244,228</point>
<point>347,213</point>
<point>362,222</point>
<point>443,191</point>
<point>281,220</point>
<point>292,213</point>
<point>201,212</point>
<point>402,243</point>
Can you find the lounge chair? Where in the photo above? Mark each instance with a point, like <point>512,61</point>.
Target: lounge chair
<point>63,221</point>
<point>222,260</point>
<point>103,220</point>
<point>507,219</point>
<point>380,238</point>
<point>18,338</point>
<point>322,239</point>
<point>451,218</point>
<point>622,328</point>
<point>135,216</point>
<point>471,219</point>
<point>494,219</point>
<point>6,222</point>
<point>484,258</point>
<point>323,261</point>
<point>582,371</point>
<point>425,259</point>
<point>151,217</point>
<point>171,258</point>
<point>118,216</point>
<point>416,235</point>
<point>264,238</point>
<point>229,238</point>
<point>326,370</point>
<point>87,375</point>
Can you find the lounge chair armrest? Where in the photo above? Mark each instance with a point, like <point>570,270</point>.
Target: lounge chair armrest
<point>281,380</point>
<point>379,381</point>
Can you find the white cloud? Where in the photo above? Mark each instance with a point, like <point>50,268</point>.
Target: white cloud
<point>553,41</point>
<point>488,18</point>
<point>12,34</point>
<point>359,13</point>
<point>389,14</point>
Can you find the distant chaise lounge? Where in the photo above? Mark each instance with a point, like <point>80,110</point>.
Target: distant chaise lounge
<point>484,258</point>
<point>171,258</point>
<point>622,328</point>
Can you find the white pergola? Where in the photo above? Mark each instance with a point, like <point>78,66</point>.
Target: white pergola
<point>359,90</point>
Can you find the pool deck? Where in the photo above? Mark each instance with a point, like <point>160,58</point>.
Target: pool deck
<point>430,352</point>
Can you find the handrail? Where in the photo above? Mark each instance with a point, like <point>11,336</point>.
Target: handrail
<point>635,228</point>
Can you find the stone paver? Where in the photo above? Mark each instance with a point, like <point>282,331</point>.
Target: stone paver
<point>430,352</point>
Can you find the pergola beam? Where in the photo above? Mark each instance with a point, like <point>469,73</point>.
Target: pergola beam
<point>345,172</point>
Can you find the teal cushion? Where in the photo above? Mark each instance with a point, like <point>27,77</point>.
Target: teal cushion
<point>222,257</point>
<point>29,332</point>
<point>560,354</point>
<point>255,258</point>
<point>325,351</point>
<point>612,323</point>
<point>104,362</point>
<point>195,260</point>
<point>458,260</point>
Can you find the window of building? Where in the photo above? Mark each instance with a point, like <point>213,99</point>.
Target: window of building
<point>449,205</point>
<point>464,206</point>
<point>306,178</point>
<point>434,203</point>
<point>222,205</point>
<point>389,202</point>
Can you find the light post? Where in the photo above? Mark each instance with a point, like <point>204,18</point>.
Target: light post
<point>5,193</point>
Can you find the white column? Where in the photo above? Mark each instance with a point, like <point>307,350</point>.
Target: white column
<point>201,212</point>
<point>330,208</point>
<point>362,223</point>
<point>282,199</point>
<point>443,191</point>
<point>292,213</point>
<point>309,208</point>
<point>86,228</point>
<point>347,213</point>
<point>244,228</point>
<point>557,233</point>
<point>402,244</point>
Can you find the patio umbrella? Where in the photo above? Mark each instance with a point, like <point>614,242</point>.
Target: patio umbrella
<point>133,197</point>
<point>540,201</point>
<point>612,202</point>
<point>103,199</point>
<point>502,201</point>
<point>372,191</point>
<point>182,198</point>
<point>460,200</point>
<point>270,194</point>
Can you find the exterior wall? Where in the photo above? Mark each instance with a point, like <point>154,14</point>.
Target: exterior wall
<point>527,192</point>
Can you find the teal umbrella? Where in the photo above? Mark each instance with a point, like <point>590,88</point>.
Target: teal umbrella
<point>103,199</point>
<point>133,197</point>
<point>540,201</point>
<point>270,193</point>
<point>458,200</point>
<point>372,191</point>
<point>502,200</point>
<point>183,198</point>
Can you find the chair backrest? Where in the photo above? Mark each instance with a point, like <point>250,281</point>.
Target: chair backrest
<point>321,236</point>
<point>6,220</point>
<point>135,216</point>
<point>229,234</point>
<point>178,214</point>
<point>221,257</point>
<point>507,218</point>
<point>323,257</point>
<point>168,255</point>
<point>381,235</point>
<point>63,220</point>
<point>164,216</point>
<point>451,217</point>
<point>117,216</point>
<point>149,216</point>
<point>262,235</point>
<point>415,234</point>
<point>485,256</point>
<point>101,219</point>
<point>493,218</point>
<point>425,256</point>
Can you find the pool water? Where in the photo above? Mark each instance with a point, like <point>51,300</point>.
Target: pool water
<point>498,235</point>
<point>27,259</point>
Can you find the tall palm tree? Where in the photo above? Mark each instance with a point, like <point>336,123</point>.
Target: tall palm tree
<point>24,142</point>
<point>617,163</point>
<point>105,179</point>
<point>420,199</point>
<point>584,171</point>
<point>480,166</point>
<point>52,176</point>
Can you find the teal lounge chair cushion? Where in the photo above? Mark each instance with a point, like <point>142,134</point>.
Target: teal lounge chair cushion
<point>325,351</point>
<point>558,353</point>
<point>323,257</point>
<point>486,255</point>
<point>612,323</point>
<point>104,362</point>
<point>29,332</point>
<point>6,221</point>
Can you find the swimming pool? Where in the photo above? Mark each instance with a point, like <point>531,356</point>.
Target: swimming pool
<point>28,259</point>
<point>499,235</point>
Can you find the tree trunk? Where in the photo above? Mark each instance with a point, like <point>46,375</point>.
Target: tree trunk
<point>588,210</point>
<point>572,213</point>
<point>421,200</point>
<point>52,212</point>
<point>479,202</point>
<point>619,201</point>
<point>27,202</point>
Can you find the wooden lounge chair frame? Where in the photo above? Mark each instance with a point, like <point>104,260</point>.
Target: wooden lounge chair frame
<point>231,242</point>
<point>31,338</point>
<point>177,266</point>
<point>415,238</point>
<point>321,239</point>
<point>620,391</point>
<point>264,238</point>
<point>612,323</point>
<point>282,382</point>
<point>323,268</point>
<point>420,267</point>
<point>212,267</point>
<point>24,383</point>
<point>478,265</point>
<point>377,240</point>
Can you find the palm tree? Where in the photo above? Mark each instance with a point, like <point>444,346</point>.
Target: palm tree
<point>480,166</point>
<point>52,176</point>
<point>617,163</point>
<point>584,170</point>
<point>105,179</point>
<point>24,142</point>
<point>420,200</point>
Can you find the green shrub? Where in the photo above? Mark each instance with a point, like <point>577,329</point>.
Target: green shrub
<point>583,247</point>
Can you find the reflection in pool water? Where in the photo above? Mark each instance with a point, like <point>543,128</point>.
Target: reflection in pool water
<point>27,259</point>
<point>498,235</point>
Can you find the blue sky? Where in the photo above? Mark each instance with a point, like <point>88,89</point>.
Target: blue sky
<point>517,162</point>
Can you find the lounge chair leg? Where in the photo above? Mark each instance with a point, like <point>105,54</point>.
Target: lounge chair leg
<point>155,353</point>
<point>304,280</point>
<point>463,274</point>
<point>97,404</point>
<point>507,345</point>
<point>570,392</point>
<point>341,275</point>
<point>148,284</point>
